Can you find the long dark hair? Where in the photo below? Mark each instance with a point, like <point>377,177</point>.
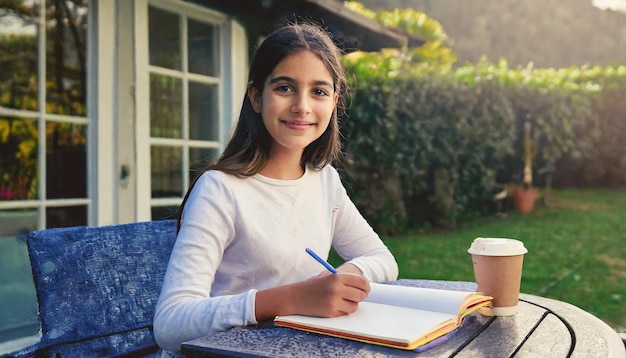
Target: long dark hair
<point>248,149</point>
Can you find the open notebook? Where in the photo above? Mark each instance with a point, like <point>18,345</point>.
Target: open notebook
<point>396,316</point>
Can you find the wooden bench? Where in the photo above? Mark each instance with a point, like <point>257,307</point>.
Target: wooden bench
<point>97,288</point>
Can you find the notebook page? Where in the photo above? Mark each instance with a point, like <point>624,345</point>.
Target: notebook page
<point>375,320</point>
<point>429,299</point>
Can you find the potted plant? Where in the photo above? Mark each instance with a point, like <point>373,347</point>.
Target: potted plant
<point>524,196</point>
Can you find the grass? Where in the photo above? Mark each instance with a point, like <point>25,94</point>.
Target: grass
<point>576,251</point>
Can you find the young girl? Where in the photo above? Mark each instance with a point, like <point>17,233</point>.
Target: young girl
<point>246,221</point>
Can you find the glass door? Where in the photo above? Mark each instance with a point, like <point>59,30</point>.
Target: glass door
<point>184,122</point>
<point>44,137</point>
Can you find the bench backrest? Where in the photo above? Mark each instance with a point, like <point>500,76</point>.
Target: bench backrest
<point>97,287</point>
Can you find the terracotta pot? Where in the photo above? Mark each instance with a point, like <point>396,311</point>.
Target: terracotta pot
<point>524,200</point>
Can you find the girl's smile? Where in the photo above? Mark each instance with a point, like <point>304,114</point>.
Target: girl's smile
<point>298,125</point>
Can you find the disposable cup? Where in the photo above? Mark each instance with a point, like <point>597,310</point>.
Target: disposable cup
<point>498,272</point>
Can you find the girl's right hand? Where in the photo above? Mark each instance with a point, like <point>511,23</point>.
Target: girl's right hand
<point>330,295</point>
<point>321,296</point>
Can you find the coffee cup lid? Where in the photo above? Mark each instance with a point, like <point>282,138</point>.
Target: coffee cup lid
<point>497,247</point>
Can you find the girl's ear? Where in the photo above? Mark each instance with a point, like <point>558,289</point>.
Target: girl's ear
<point>255,97</point>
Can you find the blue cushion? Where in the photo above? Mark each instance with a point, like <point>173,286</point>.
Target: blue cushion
<point>97,287</point>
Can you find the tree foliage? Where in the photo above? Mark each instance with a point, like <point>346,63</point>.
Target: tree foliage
<point>547,33</point>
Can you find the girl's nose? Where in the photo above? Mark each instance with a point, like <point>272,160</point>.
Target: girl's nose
<point>301,104</point>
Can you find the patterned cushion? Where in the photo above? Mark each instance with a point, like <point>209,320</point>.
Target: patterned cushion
<point>97,287</point>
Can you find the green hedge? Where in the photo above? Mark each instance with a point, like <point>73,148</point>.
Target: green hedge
<point>428,144</point>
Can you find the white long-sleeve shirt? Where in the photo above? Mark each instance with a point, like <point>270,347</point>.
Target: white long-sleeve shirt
<point>240,235</point>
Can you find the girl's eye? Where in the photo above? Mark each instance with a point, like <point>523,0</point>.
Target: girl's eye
<point>320,92</point>
<point>283,88</point>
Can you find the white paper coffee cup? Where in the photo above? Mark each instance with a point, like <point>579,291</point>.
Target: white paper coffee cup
<point>498,271</point>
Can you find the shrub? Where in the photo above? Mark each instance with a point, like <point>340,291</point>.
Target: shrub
<point>427,145</point>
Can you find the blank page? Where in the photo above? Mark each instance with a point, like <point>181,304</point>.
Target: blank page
<point>381,321</point>
<point>430,299</point>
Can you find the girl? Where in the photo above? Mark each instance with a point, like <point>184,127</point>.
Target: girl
<point>244,224</point>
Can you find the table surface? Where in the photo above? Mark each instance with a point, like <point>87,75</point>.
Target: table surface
<point>542,328</point>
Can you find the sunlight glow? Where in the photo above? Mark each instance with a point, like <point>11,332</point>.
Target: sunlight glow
<point>617,5</point>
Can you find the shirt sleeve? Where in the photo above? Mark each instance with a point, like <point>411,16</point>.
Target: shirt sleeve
<point>357,243</point>
<point>185,309</point>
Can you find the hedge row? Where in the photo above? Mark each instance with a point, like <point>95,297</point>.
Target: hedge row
<point>431,145</point>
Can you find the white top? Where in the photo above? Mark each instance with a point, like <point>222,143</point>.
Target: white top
<point>240,235</point>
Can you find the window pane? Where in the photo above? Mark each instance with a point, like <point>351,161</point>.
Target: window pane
<point>164,40</point>
<point>202,48</point>
<point>199,158</point>
<point>18,58</point>
<point>18,301</point>
<point>165,106</point>
<point>66,69</point>
<point>166,170</point>
<point>164,212</point>
<point>66,155</point>
<point>66,216</point>
<point>204,122</point>
<point>18,159</point>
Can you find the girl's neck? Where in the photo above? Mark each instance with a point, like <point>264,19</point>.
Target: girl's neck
<point>283,167</point>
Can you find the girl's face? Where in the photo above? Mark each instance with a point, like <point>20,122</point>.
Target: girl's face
<point>297,102</point>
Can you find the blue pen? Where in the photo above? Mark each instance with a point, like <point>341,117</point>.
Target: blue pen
<point>321,260</point>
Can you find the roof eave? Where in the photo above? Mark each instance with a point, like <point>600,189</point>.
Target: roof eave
<point>358,30</point>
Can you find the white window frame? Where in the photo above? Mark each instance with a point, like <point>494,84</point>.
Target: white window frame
<point>229,79</point>
<point>101,162</point>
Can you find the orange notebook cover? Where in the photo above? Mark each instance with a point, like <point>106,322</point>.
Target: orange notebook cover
<point>396,316</point>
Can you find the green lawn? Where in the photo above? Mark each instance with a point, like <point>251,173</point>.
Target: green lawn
<point>576,251</point>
